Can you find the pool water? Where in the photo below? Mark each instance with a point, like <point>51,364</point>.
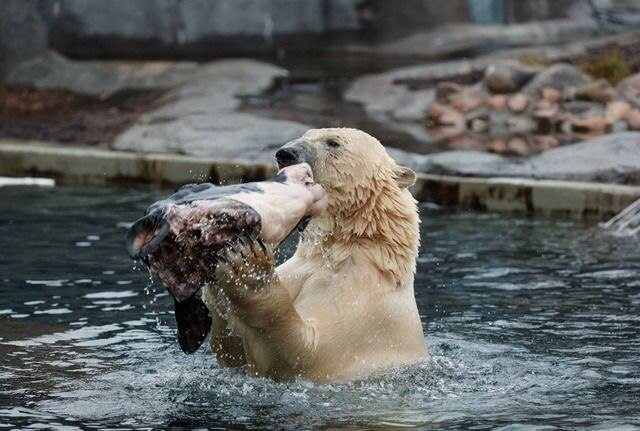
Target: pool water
<point>532,324</point>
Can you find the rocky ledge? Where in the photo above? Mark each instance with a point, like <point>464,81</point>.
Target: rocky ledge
<point>198,116</point>
<point>613,158</point>
<point>495,117</point>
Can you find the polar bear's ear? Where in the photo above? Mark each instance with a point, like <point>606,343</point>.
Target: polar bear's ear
<point>405,177</point>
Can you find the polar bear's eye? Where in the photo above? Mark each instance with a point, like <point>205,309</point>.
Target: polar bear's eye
<point>333,143</point>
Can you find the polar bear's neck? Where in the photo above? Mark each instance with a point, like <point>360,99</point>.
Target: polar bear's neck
<point>379,221</point>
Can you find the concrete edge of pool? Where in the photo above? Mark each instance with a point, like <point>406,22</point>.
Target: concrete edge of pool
<point>88,166</point>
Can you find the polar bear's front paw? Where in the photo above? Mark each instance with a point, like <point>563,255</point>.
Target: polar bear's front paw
<point>245,268</point>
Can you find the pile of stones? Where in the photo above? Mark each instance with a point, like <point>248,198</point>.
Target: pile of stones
<point>515,111</point>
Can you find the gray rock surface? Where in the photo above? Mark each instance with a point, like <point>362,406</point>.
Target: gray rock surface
<point>389,93</point>
<point>23,33</point>
<point>201,117</point>
<point>117,28</point>
<point>630,89</point>
<point>611,158</point>
<point>186,21</point>
<point>50,70</point>
<point>452,39</point>
<point>465,163</point>
<point>200,113</point>
<point>558,76</point>
<point>503,78</point>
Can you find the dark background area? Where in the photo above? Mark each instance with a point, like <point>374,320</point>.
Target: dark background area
<point>203,29</point>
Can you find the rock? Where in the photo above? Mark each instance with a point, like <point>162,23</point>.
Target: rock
<point>594,91</point>
<point>619,126</point>
<point>617,110</point>
<point>467,142</point>
<point>613,158</point>
<point>545,115</point>
<point>464,163</point>
<point>544,142</point>
<point>558,76</point>
<point>443,41</point>
<point>435,111</point>
<point>198,27</point>
<point>520,124</point>
<point>417,162</point>
<point>587,125</point>
<point>498,102</point>
<point>497,145</point>
<point>440,115</point>
<point>23,33</point>
<point>467,100</point>
<point>413,106</point>
<point>583,109</point>
<point>518,103</point>
<point>633,119</point>
<point>444,134</point>
<point>629,88</point>
<point>503,78</point>
<point>551,95</point>
<point>564,124</point>
<point>230,136</point>
<point>518,145</point>
<point>546,109</point>
<point>201,117</point>
<point>51,70</point>
<point>444,90</point>
<point>479,124</point>
<point>385,95</point>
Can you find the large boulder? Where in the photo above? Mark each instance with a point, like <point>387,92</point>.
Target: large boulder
<point>201,116</point>
<point>611,158</point>
<point>507,78</point>
<point>228,136</point>
<point>559,76</point>
<point>51,70</point>
<point>629,88</point>
<point>466,162</point>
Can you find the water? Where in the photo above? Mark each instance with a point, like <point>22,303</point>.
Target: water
<point>532,323</point>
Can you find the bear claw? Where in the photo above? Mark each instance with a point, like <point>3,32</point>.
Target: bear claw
<point>245,266</point>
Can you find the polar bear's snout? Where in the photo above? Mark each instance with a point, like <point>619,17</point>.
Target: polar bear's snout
<point>292,153</point>
<point>288,156</point>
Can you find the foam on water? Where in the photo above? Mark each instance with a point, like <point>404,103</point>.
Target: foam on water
<point>532,324</point>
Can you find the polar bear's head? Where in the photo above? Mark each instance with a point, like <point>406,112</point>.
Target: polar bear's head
<point>344,160</point>
<point>369,205</point>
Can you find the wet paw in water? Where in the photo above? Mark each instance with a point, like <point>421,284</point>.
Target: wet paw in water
<point>245,267</point>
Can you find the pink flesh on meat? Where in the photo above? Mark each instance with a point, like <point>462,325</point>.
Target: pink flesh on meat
<point>186,258</point>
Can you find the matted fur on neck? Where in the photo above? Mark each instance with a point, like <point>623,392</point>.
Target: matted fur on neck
<point>373,217</point>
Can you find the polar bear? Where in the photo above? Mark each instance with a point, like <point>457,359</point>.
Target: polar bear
<point>343,306</point>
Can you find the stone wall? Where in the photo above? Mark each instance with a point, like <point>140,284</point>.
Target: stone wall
<point>192,28</point>
<point>23,33</point>
<point>206,29</point>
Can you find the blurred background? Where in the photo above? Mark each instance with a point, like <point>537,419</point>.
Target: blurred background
<point>503,77</point>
